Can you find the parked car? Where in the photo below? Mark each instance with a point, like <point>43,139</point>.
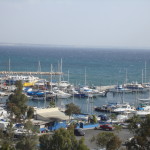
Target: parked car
<point>79,132</point>
<point>107,127</point>
<point>124,125</point>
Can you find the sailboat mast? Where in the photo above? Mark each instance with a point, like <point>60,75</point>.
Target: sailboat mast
<point>9,65</point>
<point>60,70</point>
<point>85,77</point>
<point>68,76</point>
<point>142,76</point>
<point>145,71</point>
<point>51,75</point>
<point>126,77</point>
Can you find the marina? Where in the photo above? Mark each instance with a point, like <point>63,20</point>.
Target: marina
<point>91,100</point>
<point>74,75</point>
<point>67,83</point>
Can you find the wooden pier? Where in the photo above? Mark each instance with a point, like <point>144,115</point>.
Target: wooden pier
<point>29,73</point>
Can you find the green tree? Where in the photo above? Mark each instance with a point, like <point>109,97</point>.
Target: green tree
<point>93,119</point>
<point>27,143</point>
<point>30,112</point>
<point>107,140</point>
<point>62,139</point>
<point>6,140</point>
<point>113,116</point>
<point>72,109</point>
<point>133,124</point>
<point>17,102</point>
<point>29,140</point>
<point>28,125</point>
<point>6,146</point>
<point>52,104</point>
<point>141,139</point>
<point>118,128</point>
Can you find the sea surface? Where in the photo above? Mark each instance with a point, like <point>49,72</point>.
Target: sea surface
<point>101,66</point>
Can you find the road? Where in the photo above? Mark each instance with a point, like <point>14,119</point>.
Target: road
<point>124,134</point>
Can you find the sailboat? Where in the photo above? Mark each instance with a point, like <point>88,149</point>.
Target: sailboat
<point>124,107</point>
<point>144,107</point>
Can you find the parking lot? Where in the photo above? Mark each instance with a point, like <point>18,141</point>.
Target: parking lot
<point>124,134</point>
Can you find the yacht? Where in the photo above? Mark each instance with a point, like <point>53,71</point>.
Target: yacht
<point>125,108</point>
<point>63,84</point>
<point>60,94</point>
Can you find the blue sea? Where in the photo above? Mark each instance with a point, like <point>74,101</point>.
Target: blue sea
<point>103,67</point>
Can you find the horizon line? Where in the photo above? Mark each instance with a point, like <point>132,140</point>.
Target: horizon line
<point>73,46</point>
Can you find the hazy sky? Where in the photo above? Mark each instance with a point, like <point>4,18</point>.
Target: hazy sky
<point>98,23</point>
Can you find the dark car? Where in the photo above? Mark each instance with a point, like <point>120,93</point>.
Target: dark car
<point>107,127</point>
<point>79,132</point>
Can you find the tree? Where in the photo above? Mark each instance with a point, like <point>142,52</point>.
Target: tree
<point>52,104</point>
<point>17,102</point>
<point>29,140</point>
<point>107,140</point>
<point>92,119</point>
<point>6,139</point>
<point>30,112</point>
<point>133,124</point>
<point>141,139</point>
<point>27,143</point>
<point>62,139</point>
<point>118,128</point>
<point>72,109</point>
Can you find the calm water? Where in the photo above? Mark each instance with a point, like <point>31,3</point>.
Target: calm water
<point>103,67</point>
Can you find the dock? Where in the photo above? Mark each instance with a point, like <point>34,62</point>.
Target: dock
<point>105,88</point>
<point>29,73</point>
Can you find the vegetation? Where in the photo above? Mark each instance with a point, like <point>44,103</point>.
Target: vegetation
<point>72,109</point>
<point>30,113</point>
<point>118,128</point>
<point>113,116</point>
<point>27,143</point>
<point>62,139</point>
<point>17,102</point>
<point>107,140</point>
<point>92,119</point>
<point>52,104</point>
<point>6,139</point>
<point>133,124</point>
<point>141,130</point>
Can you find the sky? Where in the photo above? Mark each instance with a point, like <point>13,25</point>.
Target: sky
<point>81,23</point>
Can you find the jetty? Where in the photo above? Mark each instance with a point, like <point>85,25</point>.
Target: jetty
<point>29,73</point>
<point>105,88</point>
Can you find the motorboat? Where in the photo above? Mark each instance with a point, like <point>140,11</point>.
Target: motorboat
<point>2,93</point>
<point>134,87</point>
<point>125,108</point>
<point>120,89</point>
<point>60,94</point>
<point>88,92</point>
<point>27,80</point>
<point>142,113</point>
<point>63,84</point>
<point>40,82</point>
